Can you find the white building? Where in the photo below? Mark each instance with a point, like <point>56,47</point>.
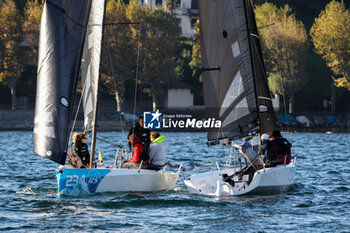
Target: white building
<point>179,96</point>
<point>186,11</point>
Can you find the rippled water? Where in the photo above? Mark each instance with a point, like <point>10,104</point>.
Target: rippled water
<point>319,201</point>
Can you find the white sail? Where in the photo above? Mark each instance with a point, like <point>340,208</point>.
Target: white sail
<point>91,63</point>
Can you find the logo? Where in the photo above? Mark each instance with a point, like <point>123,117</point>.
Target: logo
<point>151,120</point>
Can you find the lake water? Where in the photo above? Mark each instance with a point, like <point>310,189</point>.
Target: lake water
<point>318,202</point>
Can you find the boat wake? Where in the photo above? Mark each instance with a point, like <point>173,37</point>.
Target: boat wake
<point>27,191</point>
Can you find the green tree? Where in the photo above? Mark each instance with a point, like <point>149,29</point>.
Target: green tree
<point>159,42</point>
<point>12,54</point>
<point>196,63</point>
<point>31,26</point>
<point>330,35</point>
<point>118,55</point>
<point>284,42</point>
<point>160,50</point>
<point>171,5</point>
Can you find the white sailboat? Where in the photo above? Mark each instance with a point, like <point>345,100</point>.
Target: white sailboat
<point>265,181</point>
<point>70,38</point>
<point>236,92</point>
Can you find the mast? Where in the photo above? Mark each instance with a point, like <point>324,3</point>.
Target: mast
<point>265,112</point>
<point>93,138</point>
<point>90,71</point>
<point>249,32</point>
<point>94,132</point>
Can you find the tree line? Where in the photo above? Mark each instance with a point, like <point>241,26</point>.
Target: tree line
<point>138,44</point>
<point>146,45</point>
<point>285,41</point>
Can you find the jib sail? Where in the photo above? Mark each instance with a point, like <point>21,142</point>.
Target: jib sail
<point>91,62</point>
<point>90,67</point>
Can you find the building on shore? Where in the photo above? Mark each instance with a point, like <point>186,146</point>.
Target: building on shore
<point>186,11</point>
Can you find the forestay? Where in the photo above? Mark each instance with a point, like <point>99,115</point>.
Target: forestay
<point>90,67</point>
<point>234,79</point>
<point>61,43</point>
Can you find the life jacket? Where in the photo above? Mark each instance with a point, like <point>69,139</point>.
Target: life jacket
<point>80,149</point>
<point>283,147</point>
<point>272,153</point>
<point>142,134</point>
<point>144,155</point>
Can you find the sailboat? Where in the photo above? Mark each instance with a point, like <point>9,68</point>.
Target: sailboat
<point>70,39</point>
<point>236,92</point>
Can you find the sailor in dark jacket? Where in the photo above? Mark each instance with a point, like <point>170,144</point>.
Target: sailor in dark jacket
<point>79,148</point>
<point>277,150</point>
<point>283,147</point>
<point>141,133</point>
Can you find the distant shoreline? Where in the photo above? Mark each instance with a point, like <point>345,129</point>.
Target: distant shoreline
<point>23,120</point>
<point>107,128</point>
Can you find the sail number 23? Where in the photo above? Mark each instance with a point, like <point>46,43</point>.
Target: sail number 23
<point>72,180</point>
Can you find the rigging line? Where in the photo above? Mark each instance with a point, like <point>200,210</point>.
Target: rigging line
<point>216,145</point>
<point>110,143</point>
<point>63,11</point>
<point>283,95</point>
<point>222,131</point>
<point>265,26</point>
<point>76,114</point>
<point>111,24</point>
<point>114,82</point>
<point>230,156</point>
<point>260,97</point>
<point>137,71</point>
<point>284,104</point>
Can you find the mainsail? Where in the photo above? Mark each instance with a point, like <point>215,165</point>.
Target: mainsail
<point>62,34</point>
<point>266,114</point>
<point>234,79</point>
<point>90,66</point>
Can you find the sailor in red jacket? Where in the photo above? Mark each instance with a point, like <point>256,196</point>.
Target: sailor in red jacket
<point>138,151</point>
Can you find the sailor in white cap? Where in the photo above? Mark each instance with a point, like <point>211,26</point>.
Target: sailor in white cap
<point>251,159</point>
<point>249,154</point>
<point>264,139</point>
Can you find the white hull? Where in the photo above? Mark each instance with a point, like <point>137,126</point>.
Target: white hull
<point>85,181</point>
<point>265,181</point>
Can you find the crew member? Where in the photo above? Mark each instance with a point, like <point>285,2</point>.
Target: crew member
<point>283,147</point>
<point>142,133</point>
<point>251,159</point>
<point>138,153</point>
<point>264,139</point>
<point>157,151</point>
<point>79,149</point>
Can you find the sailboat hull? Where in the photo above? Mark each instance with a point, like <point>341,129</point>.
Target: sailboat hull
<point>265,181</point>
<point>74,182</point>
